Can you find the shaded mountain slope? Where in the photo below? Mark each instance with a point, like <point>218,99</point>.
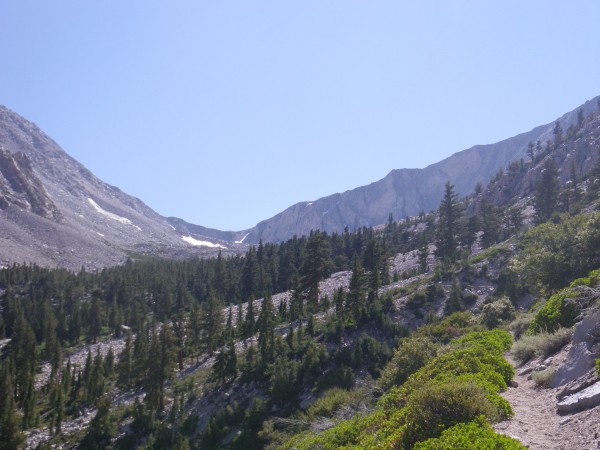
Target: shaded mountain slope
<point>53,211</point>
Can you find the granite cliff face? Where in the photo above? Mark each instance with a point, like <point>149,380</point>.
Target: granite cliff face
<point>55,212</point>
<point>405,192</point>
<point>20,186</point>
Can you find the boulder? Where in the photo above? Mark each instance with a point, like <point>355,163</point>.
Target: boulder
<point>581,357</point>
<point>585,399</point>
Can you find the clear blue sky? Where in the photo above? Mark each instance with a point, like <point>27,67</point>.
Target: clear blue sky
<point>224,113</point>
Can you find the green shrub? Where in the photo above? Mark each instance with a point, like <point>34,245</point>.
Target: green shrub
<point>332,401</point>
<point>489,253</point>
<point>473,360</point>
<point>494,341</point>
<point>468,436</point>
<point>560,250</point>
<point>541,344</point>
<point>436,407</point>
<point>561,309</point>
<point>456,386</point>
<point>493,314</point>
<point>557,312</point>
<point>412,354</point>
<point>449,328</point>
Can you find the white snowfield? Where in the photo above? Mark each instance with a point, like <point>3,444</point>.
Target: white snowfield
<point>112,216</point>
<point>242,240</point>
<point>196,242</point>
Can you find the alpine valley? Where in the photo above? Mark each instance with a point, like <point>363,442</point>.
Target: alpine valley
<point>451,307</point>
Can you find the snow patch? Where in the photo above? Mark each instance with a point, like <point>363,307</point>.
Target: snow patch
<point>196,242</point>
<point>112,216</point>
<point>241,241</point>
<point>99,234</point>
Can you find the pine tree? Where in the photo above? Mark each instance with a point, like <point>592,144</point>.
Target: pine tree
<point>531,151</point>
<point>580,118</point>
<point>449,213</point>
<point>357,292</point>
<point>316,267</point>
<point>558,133</point>
<point>57,408</point>
<point>266,337</point>
<point>231,363</point>
<point>24,362</point>
<point>101,427</point>
<point>283,379</point>
<point>290,339</point>
<point>310,326</point>
<point>10,435</point>
<point>546,192</point>
<point>490,224</point>
<point>575,190</point>
<point>514,220</point>
<point>222,279</point>
<point>160,363</point>
<point>194,329</point>
<point>250,322</point>
<point>372,260</point>
<point>95,318</point>
<point>423,253</point>
<point>218,368</point>
<point>125,364</point>
<point>212,323</point>
<point>455,301</point>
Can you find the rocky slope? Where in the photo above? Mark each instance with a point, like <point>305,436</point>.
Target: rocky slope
<point>405,192</point>
<point>53,211</point>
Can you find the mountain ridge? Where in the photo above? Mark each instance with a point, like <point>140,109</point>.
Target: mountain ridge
<point>55,211</point>
<point>405,192</point>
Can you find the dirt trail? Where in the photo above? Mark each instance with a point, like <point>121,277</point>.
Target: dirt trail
<point>536,422</point>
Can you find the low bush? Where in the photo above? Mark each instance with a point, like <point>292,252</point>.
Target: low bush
<point>540,345</point>
<point>436,407</point>
<point>520,325</point>
<point>476,360</point>
<point>558,312</point>
<point>476,434</point>
<point>412,354</point>
<point>489,253</point>
<point>500,311</point>
<point>450,327</point>
<point>543,378</point>
<point>562,308</point>
<point>494,341</point>
<point>333,400</point>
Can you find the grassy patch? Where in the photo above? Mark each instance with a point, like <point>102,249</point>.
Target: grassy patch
<point>489,253</point>
<point>543,378</point>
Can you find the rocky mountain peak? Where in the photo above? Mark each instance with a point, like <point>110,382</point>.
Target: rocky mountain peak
<point>54,211</point>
